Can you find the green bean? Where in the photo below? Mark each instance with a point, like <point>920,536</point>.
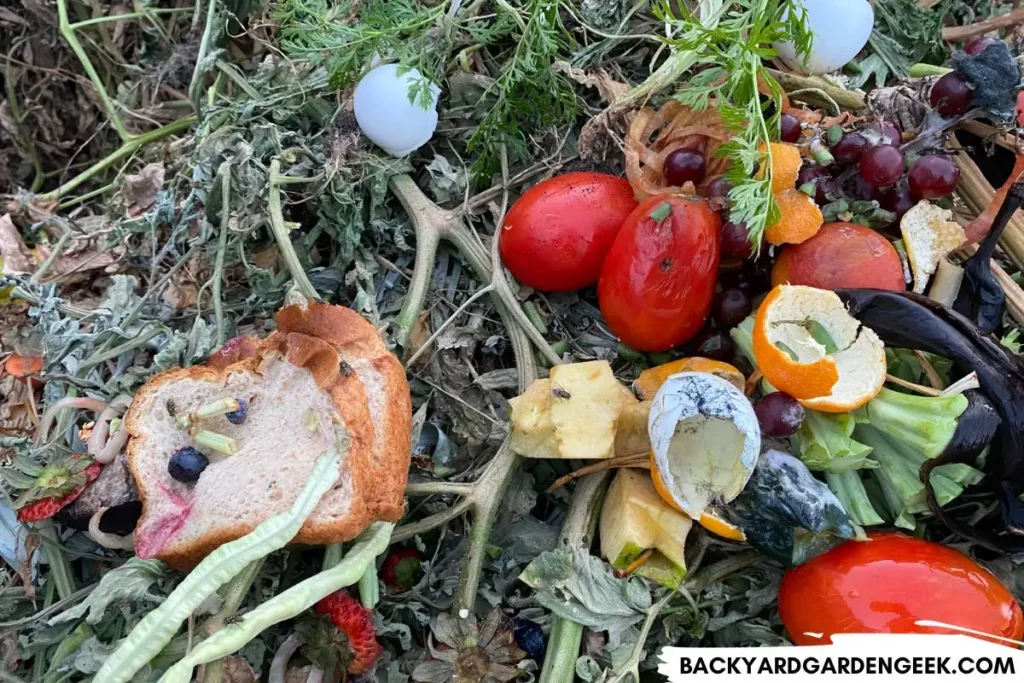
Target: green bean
<point>287,605</point>
<point>157,629</point>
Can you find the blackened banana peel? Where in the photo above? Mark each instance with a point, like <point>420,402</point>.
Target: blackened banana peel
<point>913,321</point>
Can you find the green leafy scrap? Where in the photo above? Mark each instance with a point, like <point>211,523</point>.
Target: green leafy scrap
<point>729,66</point>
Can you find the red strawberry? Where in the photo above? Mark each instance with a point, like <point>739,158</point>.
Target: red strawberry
<point>356,622</point>
<point>402,568</point>
<point>48,507</point>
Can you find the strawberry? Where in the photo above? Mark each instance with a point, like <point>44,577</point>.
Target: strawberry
<point>355,621</point>
<point>402,568</point>
<point>45,508</point>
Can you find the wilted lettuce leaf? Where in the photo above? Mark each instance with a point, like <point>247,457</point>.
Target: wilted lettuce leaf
<point>582,588</point>
<point>130,581</point>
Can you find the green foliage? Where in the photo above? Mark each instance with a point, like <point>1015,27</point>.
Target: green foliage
<point>727,71</point>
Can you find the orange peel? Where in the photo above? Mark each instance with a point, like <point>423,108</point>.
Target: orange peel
<point>800,219</point>
<point>794,329</point>
<point>711,520</point>
<point>786,162</point>
<point>651,379</point>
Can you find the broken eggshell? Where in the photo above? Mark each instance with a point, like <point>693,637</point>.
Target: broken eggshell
<point>387,116</point>
<point>840,29</point>
<point>705,440</point>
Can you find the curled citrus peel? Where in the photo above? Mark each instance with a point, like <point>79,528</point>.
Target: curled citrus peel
<point>807,344</point>
<point>786,162</point>
<point>651,379</point>
<point>654,134</point>
<point>710,519</point>
<point>800,219</point>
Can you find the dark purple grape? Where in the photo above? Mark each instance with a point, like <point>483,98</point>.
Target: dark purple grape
<point>730,307</point>
<point>789,128</point>
<point>849,149</point>
<point>684,165</point>
<point>821,178</point>
<point>779,414</point>
<point>888,132</point>
<point>933,176</point>
<point>719,187</point>
<point>530,638</point>
<point>864,190</point>
<point>897,199</point>
<point>951,95</point>
<point>978,45</point>
<point>882,165</point>
<point>714,344</point>
<point>736,240</point>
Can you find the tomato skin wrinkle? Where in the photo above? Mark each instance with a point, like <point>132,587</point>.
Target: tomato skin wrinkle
<point>556,236</point>
<point>887,585</point>
<point>658,280</point>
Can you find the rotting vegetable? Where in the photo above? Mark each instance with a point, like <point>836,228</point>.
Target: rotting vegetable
<point>909,320</point>
<point>557,234</point>
<point>659,277</point>
<point>889,584</point>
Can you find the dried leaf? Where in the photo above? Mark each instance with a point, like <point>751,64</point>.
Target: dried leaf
<point>14,255</point>
<point>140,189</point>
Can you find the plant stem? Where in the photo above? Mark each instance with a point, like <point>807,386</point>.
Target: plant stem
<point>222,242</point>
<point>204,47</point>
<point>16,115</point>
<point>67,30</point>
<point>580,522</point>
<point>60,570</point>
<point>233,592</point>
<point>437,333</point>
<point>128,148</point>
<point>122,17</point>
<point>921,70</point>
<point>281,234</point>
<point>809,89</point>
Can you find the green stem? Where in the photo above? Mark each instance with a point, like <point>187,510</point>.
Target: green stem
<point>222,243</point>
<point>332,555</point>
<point>121,17</point>
<point>369,589</point>
<point>67,30</point>
<point>65,649</point>
<point>204,47</point>
<point>281,234</point>
<point>133,343</point>
<point>127,149</point>
<point>65,235</point>
<point>580,523</point>
<point>534,315</point>
<point>60,569</point>
<point>921,70</point>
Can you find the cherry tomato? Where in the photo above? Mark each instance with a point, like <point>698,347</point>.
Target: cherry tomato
<point>556,236</point>
<point>658,280</point>
<point>889,583</point>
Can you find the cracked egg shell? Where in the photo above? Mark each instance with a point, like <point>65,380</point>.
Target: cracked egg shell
<point>705,440</point>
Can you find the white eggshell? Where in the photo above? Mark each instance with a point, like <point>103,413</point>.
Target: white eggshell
<point>841,29</point>
<point>705,438</point>
<point>385,114</point>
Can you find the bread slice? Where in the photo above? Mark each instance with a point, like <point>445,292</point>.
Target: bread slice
<point>325,374</point>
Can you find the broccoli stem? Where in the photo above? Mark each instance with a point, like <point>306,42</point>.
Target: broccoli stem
<point>925,423</point>
<point>849,489</point>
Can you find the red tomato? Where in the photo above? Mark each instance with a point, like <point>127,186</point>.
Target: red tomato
<point>841,255</point>
<point>657,282</point>
<point>556,236</point>
<point>888,584</point>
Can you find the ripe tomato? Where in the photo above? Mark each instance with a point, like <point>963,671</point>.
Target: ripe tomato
<point>889,583</point>
<point>556,236</point>
<point>657,282</point>
<point>841,255</point>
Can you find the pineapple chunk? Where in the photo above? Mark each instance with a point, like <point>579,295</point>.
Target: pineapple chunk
<point>631,431</point>
<point>586,401</point>
<point>533,432</point>
<point>635,518</point>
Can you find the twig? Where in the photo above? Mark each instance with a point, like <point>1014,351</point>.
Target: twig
<point>810,89</point>
<point>437,333</point>
<point>280,230</point>
<point>919,388</point>
<point>218,269</point>
<point>611,463</point>
<point>959,34</point>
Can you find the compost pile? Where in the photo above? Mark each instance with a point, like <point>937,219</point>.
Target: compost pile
<point>696,303</point>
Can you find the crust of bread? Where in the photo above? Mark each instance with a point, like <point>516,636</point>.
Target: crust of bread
<point>315,337</point>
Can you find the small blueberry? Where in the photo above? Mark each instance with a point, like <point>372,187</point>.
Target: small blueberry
<point>237,417</point>
<point>187,464</point>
